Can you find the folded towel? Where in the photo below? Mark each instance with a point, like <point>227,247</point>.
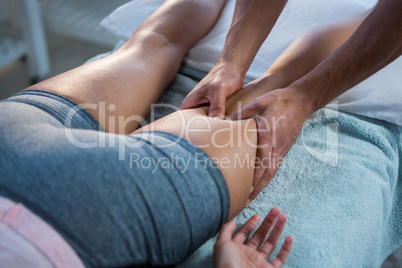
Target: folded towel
<point>340,186</point>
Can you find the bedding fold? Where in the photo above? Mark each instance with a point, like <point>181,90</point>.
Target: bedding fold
<point>340,186</point>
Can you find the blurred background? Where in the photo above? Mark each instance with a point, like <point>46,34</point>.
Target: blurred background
<point>42,38</point>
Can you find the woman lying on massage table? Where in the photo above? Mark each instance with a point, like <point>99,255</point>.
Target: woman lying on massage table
<point>83,174</point>
<point>151,197</point>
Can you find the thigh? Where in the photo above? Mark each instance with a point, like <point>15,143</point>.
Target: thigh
<point>119,89</point>
<point>125,203</point>
<point>230,144</point>
<point>312,47</point>
<point>118,200</point>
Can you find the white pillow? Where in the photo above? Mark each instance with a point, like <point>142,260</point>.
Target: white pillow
<point>126,19</point>
<point>379,96</point>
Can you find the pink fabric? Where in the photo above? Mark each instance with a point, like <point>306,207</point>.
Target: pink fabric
<point>38,233</point>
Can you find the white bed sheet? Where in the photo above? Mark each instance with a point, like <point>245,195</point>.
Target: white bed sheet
<point>379,96</point>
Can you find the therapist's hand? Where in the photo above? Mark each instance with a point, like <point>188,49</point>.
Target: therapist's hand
<point>221,82</point>
<point>280,115</point>
<point>239,251</point>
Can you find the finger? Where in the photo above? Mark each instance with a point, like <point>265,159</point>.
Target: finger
<point>268,174</point>
<point>269,245</point>
<point>259,171</point>
<point>217,104</point>
<point>227,230</point>
<point>270,161</point>
<point>262,183</point>
<point>259,236</point>
<point>242,235</point>
<point>193,100</point>
<point>263,152</point>
<point>259,168</point>
<point>246,112</point>
<point>283,254</point>
<point>262,172</point>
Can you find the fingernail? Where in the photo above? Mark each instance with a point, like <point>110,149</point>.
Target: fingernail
<point>248,202</point>
<point>219,117</point>
<point>252,189</point>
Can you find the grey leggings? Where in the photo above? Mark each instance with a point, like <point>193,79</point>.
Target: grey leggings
<point>118,200</point>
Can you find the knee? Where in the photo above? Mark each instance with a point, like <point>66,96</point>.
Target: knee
<point>149,41</point>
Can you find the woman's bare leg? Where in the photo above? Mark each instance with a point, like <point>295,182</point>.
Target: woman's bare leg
<point>134,76</point>
<point>237,139</point>
<point>126,83</point>
<point>230,144</point>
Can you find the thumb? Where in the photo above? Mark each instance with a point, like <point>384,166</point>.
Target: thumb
<point>227,231</point>
<point>193,100</point>
<point>244,113</point>
<point>217,105</point>
<point>262,183</point>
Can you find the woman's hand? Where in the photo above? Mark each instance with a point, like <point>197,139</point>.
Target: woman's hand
<point>221,82</point>
<point>280,116</point>
<point>238,251</point>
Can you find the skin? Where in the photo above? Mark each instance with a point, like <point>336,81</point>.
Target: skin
<point>239,251</point>
<point>150,60</point>
<point>131,79</point>
<point>124,85</point>
<point>226,142</point>
<point>280,113</point>
<point>242,44</point>
<point>317,67</point>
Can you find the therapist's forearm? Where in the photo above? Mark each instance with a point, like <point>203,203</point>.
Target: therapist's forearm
<point>375,44</point>
<point>252,22</point>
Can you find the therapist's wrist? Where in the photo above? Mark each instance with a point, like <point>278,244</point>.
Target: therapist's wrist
<point>317,89</point>
<point>234,63</point>
<point>232,68</point>
<point>306,100</point>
